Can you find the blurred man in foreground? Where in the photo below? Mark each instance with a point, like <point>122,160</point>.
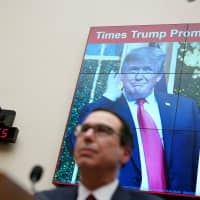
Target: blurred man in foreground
<point>103,145</point>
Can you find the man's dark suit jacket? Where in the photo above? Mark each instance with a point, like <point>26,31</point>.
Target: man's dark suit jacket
<point>179,118</point>
<point>70,193</point>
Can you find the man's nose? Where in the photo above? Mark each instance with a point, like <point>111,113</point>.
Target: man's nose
<point>90,133</point>
<point>139,75</point>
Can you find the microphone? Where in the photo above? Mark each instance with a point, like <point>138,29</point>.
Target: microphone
<point>35,176</point>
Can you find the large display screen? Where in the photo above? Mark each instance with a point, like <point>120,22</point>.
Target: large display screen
<point>120,65</point>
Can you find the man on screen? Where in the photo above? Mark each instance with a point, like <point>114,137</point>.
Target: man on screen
<point>103,144</point>
<point>164,125</point>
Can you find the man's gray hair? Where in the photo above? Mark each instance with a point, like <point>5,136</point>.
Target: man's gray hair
<point>154,54</point>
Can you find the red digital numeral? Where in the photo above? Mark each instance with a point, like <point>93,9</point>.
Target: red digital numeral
<point>3,132</point>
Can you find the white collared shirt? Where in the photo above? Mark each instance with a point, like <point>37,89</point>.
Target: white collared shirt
<point>103,193</point>
<point>151,106</point>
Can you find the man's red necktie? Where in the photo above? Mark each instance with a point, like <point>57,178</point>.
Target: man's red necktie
<point>91,197</point>
<point>153,148</point>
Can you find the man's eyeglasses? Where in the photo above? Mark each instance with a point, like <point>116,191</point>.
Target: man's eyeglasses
<point>98,129</point>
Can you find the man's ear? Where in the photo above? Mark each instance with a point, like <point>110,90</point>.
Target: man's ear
<point>126,154</point>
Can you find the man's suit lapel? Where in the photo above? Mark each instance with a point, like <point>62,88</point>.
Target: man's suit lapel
<point>167,108</point>
<point>123,110</point>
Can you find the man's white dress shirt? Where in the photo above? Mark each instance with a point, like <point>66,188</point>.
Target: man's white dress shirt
<point>103,193</point>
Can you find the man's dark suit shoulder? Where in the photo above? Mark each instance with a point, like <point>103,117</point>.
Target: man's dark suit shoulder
<point>133,195</point>
<point>60,193</point>
<point>70,193</point>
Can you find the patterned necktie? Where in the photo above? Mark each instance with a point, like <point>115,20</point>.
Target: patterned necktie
<point>153,149</point>
<point>91,197</point>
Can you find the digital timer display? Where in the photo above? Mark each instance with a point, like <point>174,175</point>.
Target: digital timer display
<point>8,134</point>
